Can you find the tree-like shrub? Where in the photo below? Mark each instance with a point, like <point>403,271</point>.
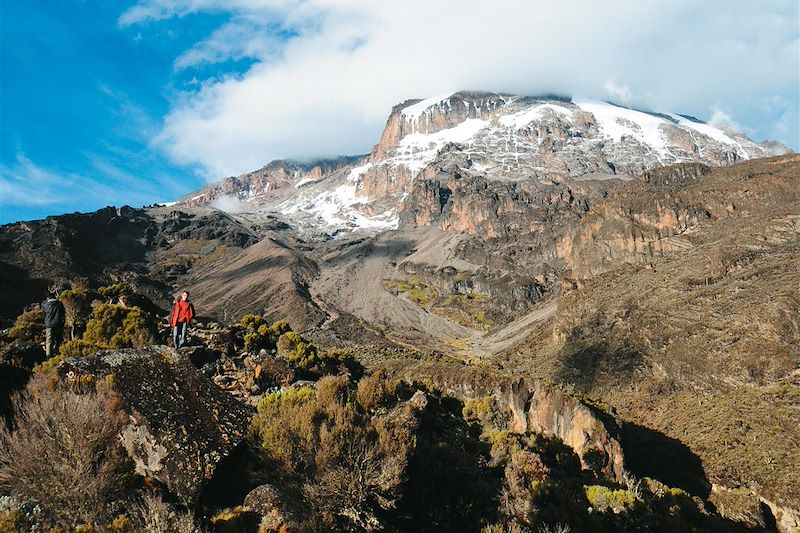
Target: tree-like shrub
<point>77,307</point>
<point>306,357</point>
<point>251,321</point>
<point>152,515</point>
<point>64,453</point>
<point>604,498</point>
<point>110,327</point>
<point>259,334</point>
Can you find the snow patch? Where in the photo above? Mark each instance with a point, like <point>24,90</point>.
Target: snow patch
<point>357,172</point>
<point>414,111</point>
<point>523,118</point>
<point>616,122</point>
<point>337,207</point>
<point>302,182</point>
<point>416,150</point>
<point>706,129</point>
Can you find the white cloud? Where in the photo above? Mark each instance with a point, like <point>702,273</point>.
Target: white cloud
<point>619,93</point>
<point>229,204</point>
<point>722,119</point>
<point>25,183</point>
<point>327,89</point>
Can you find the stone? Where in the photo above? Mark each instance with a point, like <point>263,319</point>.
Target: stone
<point>180,424</point>
<point>267,502</point>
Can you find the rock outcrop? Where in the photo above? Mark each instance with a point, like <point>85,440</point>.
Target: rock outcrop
<point>535,408</point>
<point>180,424</point>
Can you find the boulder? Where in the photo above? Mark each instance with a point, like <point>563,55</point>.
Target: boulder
<point>181,425</point>
<point>268,502</point>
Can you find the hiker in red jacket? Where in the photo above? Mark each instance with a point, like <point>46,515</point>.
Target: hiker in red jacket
<point>181,317</point>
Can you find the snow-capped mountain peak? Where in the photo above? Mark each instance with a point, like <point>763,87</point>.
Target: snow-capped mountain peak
<point>499,137</point>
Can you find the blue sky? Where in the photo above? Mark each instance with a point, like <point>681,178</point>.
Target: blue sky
<point>82,98</point>
<point>143,101</point>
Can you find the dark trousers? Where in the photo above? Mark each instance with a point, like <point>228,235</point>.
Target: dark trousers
<point>179,333</point>
<point>52,340</point>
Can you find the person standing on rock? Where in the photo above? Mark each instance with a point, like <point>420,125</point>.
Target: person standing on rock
<point>54,316</point>
<point>181,317</point>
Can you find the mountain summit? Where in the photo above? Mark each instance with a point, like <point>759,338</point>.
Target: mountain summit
<point>494,136</point>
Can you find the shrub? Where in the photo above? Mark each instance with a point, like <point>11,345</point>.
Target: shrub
<point>280,327</point>
<point>371,391</point>
<point>77,307</point>
<point>525,474</point>
<point>64,453</point>
<point>603,498</point>
<point>75,348</point>
<point>252,341</point>
<point>259,334</point>
<point>347,464</point>
<point>29,327</point>
<point>291,395</point>
<point>152,515</point>
<point>113,292</point>
<point>305,356</point>
<point>479,409</point>
<point>116,326</point>
<point>288,341</point>
<point>251,321</point>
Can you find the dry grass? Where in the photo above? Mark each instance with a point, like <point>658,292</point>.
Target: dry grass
<point>64,452</point>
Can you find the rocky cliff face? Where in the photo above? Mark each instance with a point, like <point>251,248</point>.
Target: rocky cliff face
<point>533,408</point>
<point>663,212</point>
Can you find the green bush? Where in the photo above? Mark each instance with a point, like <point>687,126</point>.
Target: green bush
<point>291,395</point>
<point>305,356</point>
<point>114,291</point>
<point>29,327</point>
<point>251,321</point>
<point>479,409</point>
<point>78,348</point>
<point>603,498</point>
<point>252,341</point>
<point>259,334</point>
<point>116,326</point>
<point>280,327</point>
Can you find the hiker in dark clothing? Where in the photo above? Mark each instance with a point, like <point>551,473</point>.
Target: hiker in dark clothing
<point>54,315</point>
<point>180,318</point>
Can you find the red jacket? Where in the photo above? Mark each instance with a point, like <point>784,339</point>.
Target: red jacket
<point>182,311</point>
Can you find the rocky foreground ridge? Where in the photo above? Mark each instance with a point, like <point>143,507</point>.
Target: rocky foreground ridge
<point>225,433</point>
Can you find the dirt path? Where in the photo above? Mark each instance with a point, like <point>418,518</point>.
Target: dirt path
<point>498,341</point>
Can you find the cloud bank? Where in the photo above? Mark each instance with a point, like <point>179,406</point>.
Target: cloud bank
<point>326,72</point>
